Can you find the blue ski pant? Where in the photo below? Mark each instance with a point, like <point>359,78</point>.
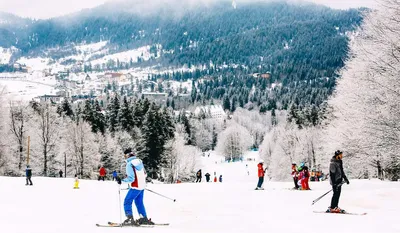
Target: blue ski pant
<point>137,196</point>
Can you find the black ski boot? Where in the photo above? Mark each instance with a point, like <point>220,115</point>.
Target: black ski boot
<point>144,221</point>
<point>129,221</point>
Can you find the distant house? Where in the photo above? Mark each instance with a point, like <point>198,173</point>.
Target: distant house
<point>155,96</point>
<point>262,75</point>
<point>56,99</point>
<point>211,111</point>
<point>115,77</point>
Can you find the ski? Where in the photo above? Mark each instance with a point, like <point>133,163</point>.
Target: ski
<point>155,224</point>
<point>120,225</point>
<point>349,213</point>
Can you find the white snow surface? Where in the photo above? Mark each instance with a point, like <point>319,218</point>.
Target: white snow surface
<point>37,63</point>
<point>26,90</point>
<point>51,205</point>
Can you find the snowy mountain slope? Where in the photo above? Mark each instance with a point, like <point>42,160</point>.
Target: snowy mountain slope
<point>5,54</point>
<point>141,52</point>
<point>51,205</point>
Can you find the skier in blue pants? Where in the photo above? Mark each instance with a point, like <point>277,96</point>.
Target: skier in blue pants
<point>136,176</point>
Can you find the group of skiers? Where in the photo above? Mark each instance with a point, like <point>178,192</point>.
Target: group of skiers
<point>207,175</point>
<point>136,176</point>
<point>103,174</point>
<point>301,176</point>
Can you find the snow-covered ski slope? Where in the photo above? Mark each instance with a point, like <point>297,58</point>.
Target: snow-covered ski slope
<point>53,206</point>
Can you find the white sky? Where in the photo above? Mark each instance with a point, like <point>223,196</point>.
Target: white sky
<point>43,9</point>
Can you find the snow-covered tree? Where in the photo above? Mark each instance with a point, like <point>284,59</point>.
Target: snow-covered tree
<point>180,159</point>
<point>47,126</point>
<point>19,117</point>
<point>365,119</point>
<point>82,148</point>
<point>203,137</point>
<point>234,141</point>
<point>3,132</point>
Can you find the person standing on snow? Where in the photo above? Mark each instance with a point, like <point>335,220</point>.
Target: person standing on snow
<point>207,175</point>
<point>136,176</point>
<point>295,176</point>
<point>61,173</point>
<point>305,178</point>
<point>28,173</point>
<point>115,175</point>
<point>261,173</point>
<point>198,175</point>
<point>337,176</point>
<point>102,173</point>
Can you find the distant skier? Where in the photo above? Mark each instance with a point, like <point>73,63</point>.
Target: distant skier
<point>207,175</point>
<point>28,173</point>
<point>136,176</point>
<point>295,176</point>
<point>198,175</point>
<point>76,183</point>
<point>220,178</point>
<point>102,173</point>
<point>305,178</point>
<point>61,173</point>
<point>114,175</point>
<point>337,176</point>
<point>261,173</point>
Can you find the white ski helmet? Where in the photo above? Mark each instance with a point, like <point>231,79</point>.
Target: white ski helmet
<point>261,160</point>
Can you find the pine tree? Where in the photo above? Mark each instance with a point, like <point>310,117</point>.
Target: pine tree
<point>66,109</point>
<point>112,114</point>
<point>151,146</point>
<point>226,103</point>
<point>126,116</point>
<point>99,123</point>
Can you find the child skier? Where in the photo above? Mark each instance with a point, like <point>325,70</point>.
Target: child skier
<point>76,184</point>
<point>136,176</point>
<point>305,178</point>
<point>28,173</point>
<point>295,176</point>
<point>261,173</point>
<point>115,175</point>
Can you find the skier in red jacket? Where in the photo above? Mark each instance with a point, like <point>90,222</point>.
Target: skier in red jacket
<point>261,173</point>
<point>102,173</point>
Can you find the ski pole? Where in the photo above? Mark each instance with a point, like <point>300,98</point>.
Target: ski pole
<point>319,198</point>
<point>119,197</point>
<point>161,195</point>
<point>119,194</point>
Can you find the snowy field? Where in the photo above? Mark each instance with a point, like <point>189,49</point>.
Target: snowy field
<point>51,205</point>
<point>25,90</point>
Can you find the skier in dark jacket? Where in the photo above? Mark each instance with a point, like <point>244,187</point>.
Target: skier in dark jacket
<point>207,175</point>
<point>198,175</point>
<point>337,177</point>
<point>28,173</point>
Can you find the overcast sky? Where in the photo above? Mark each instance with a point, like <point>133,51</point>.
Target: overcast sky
<point>43,9</point>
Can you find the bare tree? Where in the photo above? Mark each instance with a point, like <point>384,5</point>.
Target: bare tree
<point>48,126</point>
<point>82,148</point>
<point>18,124</point>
